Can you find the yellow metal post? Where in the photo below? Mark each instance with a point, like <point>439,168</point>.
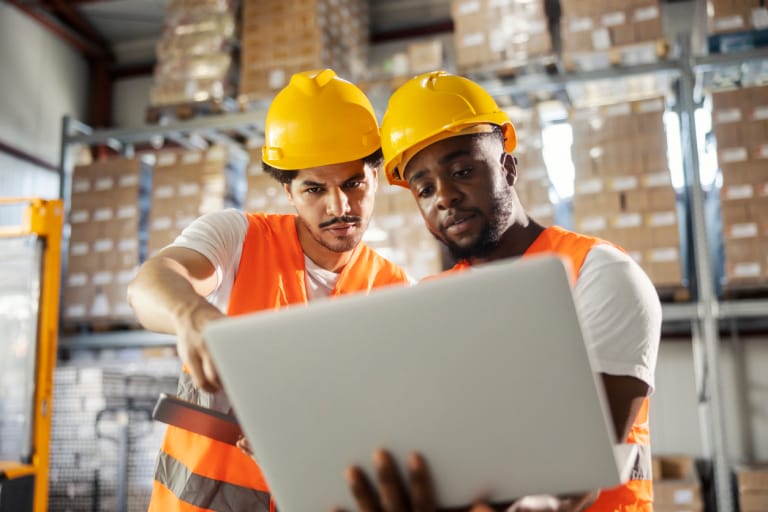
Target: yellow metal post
<point>45,219</point>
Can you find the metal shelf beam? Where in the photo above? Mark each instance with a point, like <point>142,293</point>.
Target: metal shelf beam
<point>116,339</point>
<point>252,119</point>
<point>743,309</point>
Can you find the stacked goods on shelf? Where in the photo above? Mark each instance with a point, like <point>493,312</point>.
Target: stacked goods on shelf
<point>533,183</point>
<point>726,16</point>
<point>264,193</point>
<point>753,487</point>
<point>623,190</point>
<point>398,232</point>
<point>600,33</point>
<point>104,241</point>
<point>283,37</point>
<point>89,406</point>
<point>185,185</point>
<point>676,485</point>
<point>194,55</point>
<point>507,32</point>
<point>425,56</point>
<point>740,124</point>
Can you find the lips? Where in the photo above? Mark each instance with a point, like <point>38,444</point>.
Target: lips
<point>457,220</point>
<point>341,229</point>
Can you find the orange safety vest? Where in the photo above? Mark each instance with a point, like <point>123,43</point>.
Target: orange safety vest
<point>197,474</point>
<point>637,494</point>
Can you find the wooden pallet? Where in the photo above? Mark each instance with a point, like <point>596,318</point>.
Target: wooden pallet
<point>159,114</point>
<point>745,290</point>
<point>624,55</point>
<point>673,293</point>
<point>512,69</point>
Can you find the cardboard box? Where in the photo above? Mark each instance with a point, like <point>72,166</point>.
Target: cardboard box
<point>753,478</point>
<point>425,56</point>
<point>677,493</point>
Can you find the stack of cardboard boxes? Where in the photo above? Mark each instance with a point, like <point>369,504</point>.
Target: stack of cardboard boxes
<point>740,124</point>
<point>533,183</point>
<point>676,486</point>
<point>753,488</point>
<point>283,37</point>
<point>736,15</point>
<point>264,193</point>
<point>397,232</point>
<point>194,55</point>
<point>623,190</point>
<point>104,241</point>
<point>499,31</point>
<point>592,27</point>
<point>186,184</point>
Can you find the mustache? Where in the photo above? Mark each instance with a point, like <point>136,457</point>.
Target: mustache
<point>346,219</point>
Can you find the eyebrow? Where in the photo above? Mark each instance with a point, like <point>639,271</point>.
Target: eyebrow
<point>443,161</point>
<point>310,183</point>
<point>357,177</point>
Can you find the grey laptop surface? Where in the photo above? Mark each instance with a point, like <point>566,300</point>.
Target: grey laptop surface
<point>486,373</point>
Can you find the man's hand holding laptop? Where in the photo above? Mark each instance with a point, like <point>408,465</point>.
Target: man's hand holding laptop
<point>391,494</point>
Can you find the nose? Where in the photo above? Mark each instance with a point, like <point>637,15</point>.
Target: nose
<point>447,195</point>
<point>338,203</point>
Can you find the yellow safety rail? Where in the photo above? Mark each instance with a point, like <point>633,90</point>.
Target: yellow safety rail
<point>45,219</point>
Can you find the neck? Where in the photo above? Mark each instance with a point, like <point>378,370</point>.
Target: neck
<point>518,237</point>
<point>319,254</point>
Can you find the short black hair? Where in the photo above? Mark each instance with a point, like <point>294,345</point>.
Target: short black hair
<point>497,133</point>
<point>285,176</point>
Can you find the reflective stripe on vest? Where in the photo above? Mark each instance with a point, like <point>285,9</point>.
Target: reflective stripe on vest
<point>195,473</point>
<point>637,494</point>
<point>207,493</point>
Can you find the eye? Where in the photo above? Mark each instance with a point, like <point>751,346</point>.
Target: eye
<point>314,190</point>
<point>354,184</point>
<point>425,191</point>
<point>463,172</point>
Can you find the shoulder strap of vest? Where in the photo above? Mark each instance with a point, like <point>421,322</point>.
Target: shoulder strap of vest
<point>271,269</point>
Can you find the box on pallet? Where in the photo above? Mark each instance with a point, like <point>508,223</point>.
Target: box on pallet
<point>623,190</point>
<point>499,31</point>
<point>103,248</point>
<point>283,38</point>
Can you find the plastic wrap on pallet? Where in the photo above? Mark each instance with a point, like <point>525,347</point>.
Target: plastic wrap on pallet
<point>195,53</point>
<point>500,31</point>
<point>280,38</point>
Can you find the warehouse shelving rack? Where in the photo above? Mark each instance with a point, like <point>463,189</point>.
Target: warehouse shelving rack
<point>704,316</point>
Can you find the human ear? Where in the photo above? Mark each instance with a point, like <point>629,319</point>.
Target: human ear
<point>287,189</point>
<point>509,163</point>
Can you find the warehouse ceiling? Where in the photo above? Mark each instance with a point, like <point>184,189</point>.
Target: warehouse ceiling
<point>127,30</point>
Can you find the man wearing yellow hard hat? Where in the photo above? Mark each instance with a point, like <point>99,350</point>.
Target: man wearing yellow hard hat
<point>323,145</point>
<point>445,139</point>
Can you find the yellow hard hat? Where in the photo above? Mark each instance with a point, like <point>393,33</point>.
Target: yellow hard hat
<point>432,107</point>
<point>319,119</point>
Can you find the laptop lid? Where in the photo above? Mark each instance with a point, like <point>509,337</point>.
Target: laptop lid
<point>486,373</point>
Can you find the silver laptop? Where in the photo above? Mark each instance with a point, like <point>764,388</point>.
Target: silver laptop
<point>486,373</point>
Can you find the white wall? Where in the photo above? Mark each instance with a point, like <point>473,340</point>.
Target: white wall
<point>42,80</point>
<point>674,410</point>
<point>130,98</point>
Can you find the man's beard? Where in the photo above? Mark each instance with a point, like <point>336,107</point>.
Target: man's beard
<point>490,236</point>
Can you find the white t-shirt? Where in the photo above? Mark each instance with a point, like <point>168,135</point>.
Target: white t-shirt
<point>219,236</point>
<point>617,303</point>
